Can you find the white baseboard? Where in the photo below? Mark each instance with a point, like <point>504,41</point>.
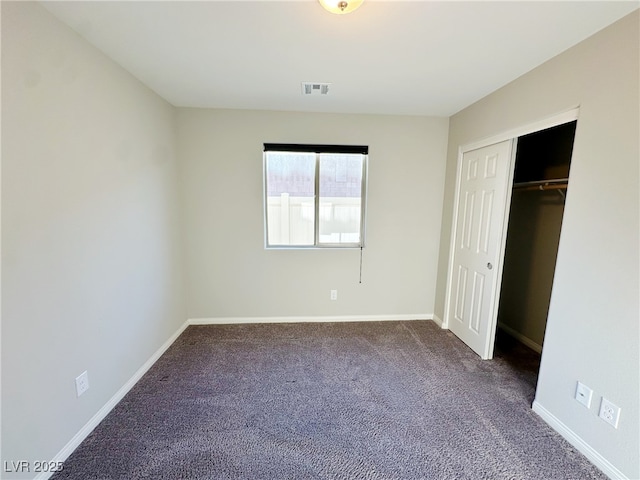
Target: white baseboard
<point>521,338</point>
<point>315,319</point>
<point>438,321</point>
<point>102,413</point>
<point>583,447</point>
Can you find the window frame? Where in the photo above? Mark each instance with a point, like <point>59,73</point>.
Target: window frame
<point>318,150</point>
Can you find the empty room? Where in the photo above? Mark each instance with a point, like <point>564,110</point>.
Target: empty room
<point>300,239</point>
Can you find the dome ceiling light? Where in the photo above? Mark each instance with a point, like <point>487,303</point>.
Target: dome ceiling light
<point>340,7</point>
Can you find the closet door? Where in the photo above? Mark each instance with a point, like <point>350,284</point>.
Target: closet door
<point>482,195</point>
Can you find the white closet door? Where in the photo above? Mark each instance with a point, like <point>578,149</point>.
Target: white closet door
<point>483,187</point>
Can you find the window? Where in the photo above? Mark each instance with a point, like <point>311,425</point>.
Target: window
<point>314,195</point>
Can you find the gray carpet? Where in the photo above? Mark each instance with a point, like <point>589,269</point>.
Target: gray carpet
<point>383,400</point>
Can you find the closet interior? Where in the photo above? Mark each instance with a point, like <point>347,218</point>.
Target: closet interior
<point>541,178</point>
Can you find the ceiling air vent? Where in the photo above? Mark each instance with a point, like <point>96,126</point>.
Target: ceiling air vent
<point>313,88</point>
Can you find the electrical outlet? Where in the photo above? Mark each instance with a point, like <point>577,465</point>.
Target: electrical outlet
<point>334,294</point>
<point>609,412</point>
<point>584,394</point>
<point>82,383</point>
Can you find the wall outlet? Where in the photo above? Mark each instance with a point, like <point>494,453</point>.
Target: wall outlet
<point>82,383</point>
<point>609,412</point>
<point>334,294</point>
<point>584,394</point>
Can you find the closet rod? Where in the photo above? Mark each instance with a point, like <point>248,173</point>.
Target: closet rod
<point>555,184</point>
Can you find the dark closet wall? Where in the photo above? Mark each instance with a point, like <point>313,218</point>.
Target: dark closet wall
<point>535,222</point>
<point>545,155</point>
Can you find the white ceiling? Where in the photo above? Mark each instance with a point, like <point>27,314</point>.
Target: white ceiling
<point>387,57</point>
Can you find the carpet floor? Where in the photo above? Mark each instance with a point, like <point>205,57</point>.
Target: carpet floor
<point>374,400</point>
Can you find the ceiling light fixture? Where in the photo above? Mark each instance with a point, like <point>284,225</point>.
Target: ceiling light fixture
<point>340,7</point>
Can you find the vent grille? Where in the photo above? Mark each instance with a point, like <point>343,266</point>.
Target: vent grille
<point>315,88</point>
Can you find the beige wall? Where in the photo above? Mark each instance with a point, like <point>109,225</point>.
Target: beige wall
<point>231,274</point>
<point>593,328</point>
<point>91,266</point>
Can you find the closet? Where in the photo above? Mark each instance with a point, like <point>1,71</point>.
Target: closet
<point>541,178</point>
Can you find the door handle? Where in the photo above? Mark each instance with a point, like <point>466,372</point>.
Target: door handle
<point>489,266</point>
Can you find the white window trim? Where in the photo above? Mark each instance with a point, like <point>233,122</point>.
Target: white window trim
<point>317,243</point>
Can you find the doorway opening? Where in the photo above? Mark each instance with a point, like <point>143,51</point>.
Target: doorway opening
<point>541,178</point>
